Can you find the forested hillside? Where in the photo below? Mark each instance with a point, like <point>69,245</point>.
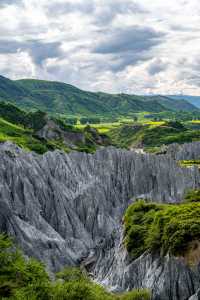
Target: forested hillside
<point>61,98</point>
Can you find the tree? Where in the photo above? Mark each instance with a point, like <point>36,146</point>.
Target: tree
<point>71,121</point>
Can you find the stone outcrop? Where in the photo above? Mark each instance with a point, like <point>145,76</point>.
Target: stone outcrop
<point>67,209</point>
<point>71,137</point>
<point>52,131</point>
<point>167,277</point>
<point>187,151</point>
<point>196,296</point>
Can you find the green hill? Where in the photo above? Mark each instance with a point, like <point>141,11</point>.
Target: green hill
<point>38,132</point>
<point>152,136</point>
<point>194,100</point>
<point>61,98</point>
<point>176,104</point>
<point>22,137</point>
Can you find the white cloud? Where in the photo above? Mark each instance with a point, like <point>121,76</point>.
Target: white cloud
<point>56,40</point>
<point>17,65</point>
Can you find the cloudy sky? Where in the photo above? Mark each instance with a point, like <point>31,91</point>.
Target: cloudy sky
<point>131,46</point>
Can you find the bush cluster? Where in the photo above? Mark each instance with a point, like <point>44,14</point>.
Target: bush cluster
<point>192,195</point>
<point>27,279</point>
<point>163,228</point>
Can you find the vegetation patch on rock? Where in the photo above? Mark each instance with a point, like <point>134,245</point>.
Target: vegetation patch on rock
<point>163,228</point>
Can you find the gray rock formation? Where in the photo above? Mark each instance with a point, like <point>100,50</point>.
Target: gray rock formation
<point>196,296</point>
<point>52,131</point>
<point>67,209</point>
<point>188,151</point>
<point>168,277</point>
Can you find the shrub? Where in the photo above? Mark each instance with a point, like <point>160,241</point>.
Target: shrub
<point>137,295</point>
<point>91,120</point>
<point>37,147</point>
<point>28,280</point>
<point>161,227</point>
<point>192,196</point>
<point>71,274</point>
<point>138,218</point>
<point>18,276</point>
<point>73,290</point>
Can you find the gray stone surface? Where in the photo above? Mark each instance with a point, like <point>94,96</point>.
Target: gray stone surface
<point>196,296</point>
<point>185,151</point>
<point>67,209</point>
<point>51,131</point>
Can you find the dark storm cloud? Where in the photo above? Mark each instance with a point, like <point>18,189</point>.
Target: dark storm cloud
<point>135,39</point>
<point>39,51</point>
<point>120,62</point>
<point>156,67</point>
<point>128,46</point>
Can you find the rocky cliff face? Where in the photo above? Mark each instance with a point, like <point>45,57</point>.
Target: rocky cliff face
<point>67,209</point>
<point>168,277</point>
<point>52,131</point>
<point>188,151</point>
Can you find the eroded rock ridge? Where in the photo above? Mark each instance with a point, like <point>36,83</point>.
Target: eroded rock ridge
<point>67,209</point>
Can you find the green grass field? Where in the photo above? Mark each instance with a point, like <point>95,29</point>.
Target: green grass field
<point>107,126</point>
<point>25,139</point>
<point>102,127</point>
<point>14,133</point>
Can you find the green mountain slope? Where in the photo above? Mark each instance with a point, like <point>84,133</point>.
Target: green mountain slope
<point>11,90</point>
<point>176,104</point>
<point>61,98</point>
<point>38,132</point>
<point>22,137</point>
<point>194,100</point>
<point>152,137</point>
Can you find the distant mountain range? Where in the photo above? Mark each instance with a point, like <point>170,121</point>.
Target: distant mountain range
<point>194,100</point>
<point>61,98</point>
